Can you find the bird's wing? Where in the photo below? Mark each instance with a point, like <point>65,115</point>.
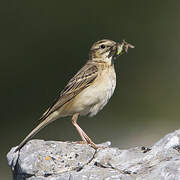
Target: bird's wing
<point>85,76</point>
<point>80,81</point>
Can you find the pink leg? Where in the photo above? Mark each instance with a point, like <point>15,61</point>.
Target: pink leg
<point>83,135</point>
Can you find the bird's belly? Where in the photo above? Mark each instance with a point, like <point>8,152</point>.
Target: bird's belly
<point>92,99</point>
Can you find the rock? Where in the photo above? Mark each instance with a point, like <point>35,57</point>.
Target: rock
<point>53,160</point>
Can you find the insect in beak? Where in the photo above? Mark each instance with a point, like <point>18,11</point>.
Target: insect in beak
<point>123,46</point>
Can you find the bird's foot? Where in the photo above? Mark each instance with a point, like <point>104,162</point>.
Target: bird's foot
<point>91,143</point>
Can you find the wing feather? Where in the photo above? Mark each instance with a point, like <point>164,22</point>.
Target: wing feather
<point>85,76</point>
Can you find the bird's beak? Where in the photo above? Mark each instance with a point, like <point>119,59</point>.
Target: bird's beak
<point>121,47</point>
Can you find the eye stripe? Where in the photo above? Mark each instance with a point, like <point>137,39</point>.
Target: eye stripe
<point>102,41</point>
<point>107,46</point>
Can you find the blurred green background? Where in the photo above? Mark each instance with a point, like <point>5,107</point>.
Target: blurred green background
<point>44,43</point>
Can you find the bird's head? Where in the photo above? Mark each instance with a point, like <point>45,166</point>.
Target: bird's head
<point>108,50</point>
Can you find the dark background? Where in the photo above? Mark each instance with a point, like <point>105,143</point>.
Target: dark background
<point>42,45</point>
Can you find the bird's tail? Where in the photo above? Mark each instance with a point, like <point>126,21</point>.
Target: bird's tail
<point>52,117</point>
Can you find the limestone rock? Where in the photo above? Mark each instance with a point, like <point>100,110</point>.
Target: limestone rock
<point>53,160</point>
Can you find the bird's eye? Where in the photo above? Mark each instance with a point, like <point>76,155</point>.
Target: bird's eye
<point>102,46</point>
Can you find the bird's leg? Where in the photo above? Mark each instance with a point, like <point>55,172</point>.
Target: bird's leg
<point>89,141</point>
<point>83,135</point>
<point>79,130</point>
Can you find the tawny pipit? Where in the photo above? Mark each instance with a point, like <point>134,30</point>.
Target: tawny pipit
<point>88,91</point>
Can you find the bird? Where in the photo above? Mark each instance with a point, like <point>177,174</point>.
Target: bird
<point>88,91</point>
